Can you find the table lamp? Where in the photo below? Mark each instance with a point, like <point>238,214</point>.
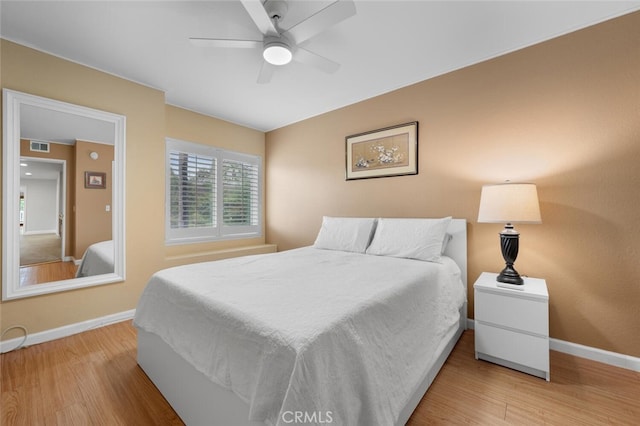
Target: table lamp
<point>509,203</point>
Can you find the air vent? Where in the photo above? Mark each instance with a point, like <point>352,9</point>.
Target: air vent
<point>39,146</point>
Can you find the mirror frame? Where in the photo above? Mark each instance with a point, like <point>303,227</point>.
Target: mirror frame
<point>11,288</point>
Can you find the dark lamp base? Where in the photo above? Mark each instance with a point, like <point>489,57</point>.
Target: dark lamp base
<point>509,242</point>
<point>510,276</point>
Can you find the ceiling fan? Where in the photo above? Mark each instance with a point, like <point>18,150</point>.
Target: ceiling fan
<point>280,46</point>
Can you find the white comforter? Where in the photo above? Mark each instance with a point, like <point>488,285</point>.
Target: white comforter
<point>342,335</point>
<point>97,260</point>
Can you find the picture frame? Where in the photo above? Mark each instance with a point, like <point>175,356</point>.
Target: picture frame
<point>391,151</point>
<point>95,180</point>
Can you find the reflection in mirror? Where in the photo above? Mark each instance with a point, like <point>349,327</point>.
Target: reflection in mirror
<point>64,192</point>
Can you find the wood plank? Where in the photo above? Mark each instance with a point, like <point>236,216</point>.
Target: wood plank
<point>93,378</point>
<point>88,378</point>
<point>47,272</point>
<point>580,392</point>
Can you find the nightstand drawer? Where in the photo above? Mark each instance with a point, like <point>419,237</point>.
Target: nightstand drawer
<point>524,349</point>
<point>530,315</point>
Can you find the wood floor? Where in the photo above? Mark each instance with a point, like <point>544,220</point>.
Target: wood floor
<point>47,272</point>
<point>581,392</point>
<point>92,379</point>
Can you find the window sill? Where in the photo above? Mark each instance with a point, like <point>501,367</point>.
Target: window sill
<point>206,256</point>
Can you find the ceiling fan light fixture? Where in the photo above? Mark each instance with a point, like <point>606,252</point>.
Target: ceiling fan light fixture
<point>277,53</point>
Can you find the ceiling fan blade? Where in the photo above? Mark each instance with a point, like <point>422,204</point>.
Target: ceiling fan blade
<point>266,72</point>
<point>320,21</point>
<point>221,42</point>
<point>309,58</point>
<point>260,17</point>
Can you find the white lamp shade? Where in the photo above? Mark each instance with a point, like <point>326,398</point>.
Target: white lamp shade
<point>277,53</point>
<point>509,203</point>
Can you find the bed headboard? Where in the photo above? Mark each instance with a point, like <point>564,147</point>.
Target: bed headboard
<point>457,247</point>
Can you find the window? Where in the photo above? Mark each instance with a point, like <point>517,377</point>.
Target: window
<point>212,193</point>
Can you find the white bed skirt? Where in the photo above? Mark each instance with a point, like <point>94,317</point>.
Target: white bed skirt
<point>200,402</point>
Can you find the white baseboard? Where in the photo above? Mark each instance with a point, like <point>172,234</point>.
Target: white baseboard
<point>606,357</point>
<point>594,354</point>
<point>42,232</point>
<point>471,325</point>
<point>67,330</point>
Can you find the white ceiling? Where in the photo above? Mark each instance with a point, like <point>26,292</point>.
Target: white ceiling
<point>385,46</point>
<point>37,123</point>
<point>41,124</point>
<point>37,168</point>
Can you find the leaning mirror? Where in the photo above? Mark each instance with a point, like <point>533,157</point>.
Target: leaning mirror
<point>63,203</point>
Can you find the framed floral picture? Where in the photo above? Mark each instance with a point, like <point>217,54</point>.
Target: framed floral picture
<point>95,180</point>
<point>392,151</point>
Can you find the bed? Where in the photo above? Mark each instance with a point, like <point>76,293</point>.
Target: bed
<point>97,260</point>
<point>348,331</point>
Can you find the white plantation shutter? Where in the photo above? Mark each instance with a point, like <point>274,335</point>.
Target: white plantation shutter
<point>211,193</point>
<point>193,184</point>
<point>240,193</point>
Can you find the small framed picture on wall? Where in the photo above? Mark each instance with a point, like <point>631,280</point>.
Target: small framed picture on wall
<point>95,180</point>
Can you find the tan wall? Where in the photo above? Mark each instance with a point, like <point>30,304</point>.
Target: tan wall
<point>93,222</point>
<point>563,114</point>
<point>29,71</point>
<point>67,153</point>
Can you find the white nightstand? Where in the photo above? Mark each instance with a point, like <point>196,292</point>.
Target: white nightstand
<point>512,326</point>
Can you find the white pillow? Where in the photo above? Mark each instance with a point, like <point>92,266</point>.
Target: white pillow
<point>345,233</point>
<point>445,242</point>
<point>420,239</point>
